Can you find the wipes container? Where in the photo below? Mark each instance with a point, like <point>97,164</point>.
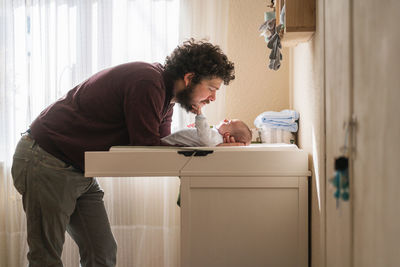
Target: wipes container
<point>274,135</point>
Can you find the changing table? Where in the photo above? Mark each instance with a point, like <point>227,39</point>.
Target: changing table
<point>240,206</point>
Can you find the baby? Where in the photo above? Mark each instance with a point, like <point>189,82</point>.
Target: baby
<point>227,132</point>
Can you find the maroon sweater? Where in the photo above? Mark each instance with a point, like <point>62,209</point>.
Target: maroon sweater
<point>125,105</point>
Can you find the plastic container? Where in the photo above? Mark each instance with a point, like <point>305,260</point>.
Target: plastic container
<point>274,135</point>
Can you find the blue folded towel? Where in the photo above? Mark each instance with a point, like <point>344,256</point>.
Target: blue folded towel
<point>285,120</point>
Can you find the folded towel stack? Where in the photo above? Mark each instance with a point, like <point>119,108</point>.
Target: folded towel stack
<point>284,120</point>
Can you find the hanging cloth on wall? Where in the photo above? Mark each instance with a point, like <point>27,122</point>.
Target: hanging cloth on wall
<point>271,33</point>
<point>274,44</point>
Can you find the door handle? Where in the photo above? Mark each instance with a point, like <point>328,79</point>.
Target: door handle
<point>196,153</point>
<point>202,153</point>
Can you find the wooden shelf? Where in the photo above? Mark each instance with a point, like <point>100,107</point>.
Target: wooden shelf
<point>300,19</point>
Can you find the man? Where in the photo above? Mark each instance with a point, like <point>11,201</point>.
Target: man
<point>130,104</point>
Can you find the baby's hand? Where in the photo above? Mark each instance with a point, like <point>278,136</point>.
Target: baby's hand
<point>228,138</point>
<point>196,109</point>
<point>230,141</point>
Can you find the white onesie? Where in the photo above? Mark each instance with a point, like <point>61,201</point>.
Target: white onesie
<point>202,135</point>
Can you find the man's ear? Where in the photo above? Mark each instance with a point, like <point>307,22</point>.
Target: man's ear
<point>187,78</point>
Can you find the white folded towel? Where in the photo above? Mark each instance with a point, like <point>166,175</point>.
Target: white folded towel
<point>285,120</point>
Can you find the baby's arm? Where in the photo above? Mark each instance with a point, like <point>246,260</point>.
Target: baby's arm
<point>203,130</point>
<point>207,136</point>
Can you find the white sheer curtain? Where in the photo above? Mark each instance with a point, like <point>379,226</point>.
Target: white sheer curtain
<point>208,20</point>
<point>47,47</point>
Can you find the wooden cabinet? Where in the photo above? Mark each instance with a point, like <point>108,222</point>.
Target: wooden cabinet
<point>299,22</point>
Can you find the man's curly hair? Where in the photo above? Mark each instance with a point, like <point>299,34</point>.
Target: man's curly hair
<point>205,60</point>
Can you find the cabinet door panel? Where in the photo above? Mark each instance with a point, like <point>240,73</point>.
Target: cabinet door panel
<point>337,67</point>
<point>376,105</point>
<point>244,221</point>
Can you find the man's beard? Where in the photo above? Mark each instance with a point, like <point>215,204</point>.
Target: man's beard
<point>184,97</point>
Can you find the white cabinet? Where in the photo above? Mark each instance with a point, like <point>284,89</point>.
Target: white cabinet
<point>240,206</point>
<point>244,221</point>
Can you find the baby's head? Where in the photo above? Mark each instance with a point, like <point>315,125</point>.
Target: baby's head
<point>236,128</point>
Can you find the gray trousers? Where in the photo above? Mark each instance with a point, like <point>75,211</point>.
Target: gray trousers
<point>57,198</point>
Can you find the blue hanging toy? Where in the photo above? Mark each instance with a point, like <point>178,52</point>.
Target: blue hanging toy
<point>341,179</point>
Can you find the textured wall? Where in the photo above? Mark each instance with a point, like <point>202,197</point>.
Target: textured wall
<point>256,87</point>
<point>307,90</point>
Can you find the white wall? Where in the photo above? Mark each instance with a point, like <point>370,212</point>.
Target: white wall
<point>307,97</point>
<point>256,88</point>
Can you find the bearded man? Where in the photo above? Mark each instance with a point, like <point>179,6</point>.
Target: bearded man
<point>130,104</point>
